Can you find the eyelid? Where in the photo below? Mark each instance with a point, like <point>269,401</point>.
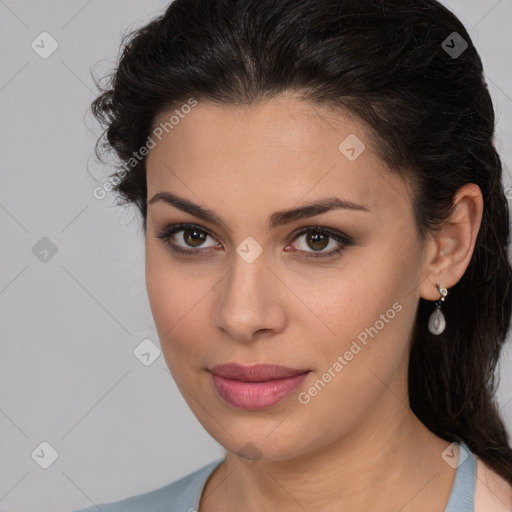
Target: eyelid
<point>170,230</point>
<point>333,233</point>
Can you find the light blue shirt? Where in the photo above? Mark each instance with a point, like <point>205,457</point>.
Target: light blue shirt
<point>184,494</point>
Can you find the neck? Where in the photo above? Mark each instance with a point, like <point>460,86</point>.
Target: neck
<point>392,460</point>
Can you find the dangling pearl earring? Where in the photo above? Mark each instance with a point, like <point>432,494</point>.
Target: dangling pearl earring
<point>437,322</point>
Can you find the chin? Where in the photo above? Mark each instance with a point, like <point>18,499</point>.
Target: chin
<point>257,438</point>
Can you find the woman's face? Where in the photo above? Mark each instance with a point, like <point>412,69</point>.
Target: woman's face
<point>252,291</point>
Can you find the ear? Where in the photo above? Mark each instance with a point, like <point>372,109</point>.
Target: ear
<point>449,251</point>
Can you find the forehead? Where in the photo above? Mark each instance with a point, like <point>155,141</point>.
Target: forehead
<point>280,151</point>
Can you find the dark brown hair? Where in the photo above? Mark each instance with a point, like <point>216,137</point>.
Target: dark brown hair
<point>432,119</point>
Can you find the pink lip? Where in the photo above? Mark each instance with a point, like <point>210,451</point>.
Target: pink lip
<point>255,387</point>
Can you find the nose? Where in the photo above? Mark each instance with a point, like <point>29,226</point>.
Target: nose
<point>251,301</point>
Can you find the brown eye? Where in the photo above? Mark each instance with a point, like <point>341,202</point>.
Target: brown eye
<point>194,237</point>
<point>186,239</point>
<point>189,240</point>
<point>317,239</point>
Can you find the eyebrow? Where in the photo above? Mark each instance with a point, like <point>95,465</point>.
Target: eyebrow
<point>276,219</point>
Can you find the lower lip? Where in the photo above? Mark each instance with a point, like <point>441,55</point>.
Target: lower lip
<point>256,395</point>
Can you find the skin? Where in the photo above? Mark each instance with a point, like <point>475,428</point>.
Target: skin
<point>357,442</point>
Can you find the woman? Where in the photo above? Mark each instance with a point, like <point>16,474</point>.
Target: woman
<point>326,250</point>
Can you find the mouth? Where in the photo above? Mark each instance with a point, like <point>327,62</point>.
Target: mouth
<point>257,386</point>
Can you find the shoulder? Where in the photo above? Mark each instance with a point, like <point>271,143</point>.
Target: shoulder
<point>182,495</point>
<point>492,492</point>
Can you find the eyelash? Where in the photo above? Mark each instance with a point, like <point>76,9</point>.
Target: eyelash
<point>168,232</point>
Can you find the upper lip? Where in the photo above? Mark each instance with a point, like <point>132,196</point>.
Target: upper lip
<point>255,373</point>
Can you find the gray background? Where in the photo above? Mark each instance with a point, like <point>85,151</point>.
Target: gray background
<point>70,324</point>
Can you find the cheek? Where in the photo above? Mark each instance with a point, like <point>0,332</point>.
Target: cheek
<point>369,310</point>
<point>364,364</point>
<point>166,285</point>
<point>366,288</point>
<point>178,305</point>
